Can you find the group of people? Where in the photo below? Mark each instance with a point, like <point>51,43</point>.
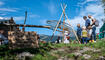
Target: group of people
<point>87,33</point>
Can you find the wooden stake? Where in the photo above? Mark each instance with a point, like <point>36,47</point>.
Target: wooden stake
<point>63,23</point>
<point>25,21</point>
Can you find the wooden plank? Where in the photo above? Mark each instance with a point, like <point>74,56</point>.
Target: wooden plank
<point>22,25</point>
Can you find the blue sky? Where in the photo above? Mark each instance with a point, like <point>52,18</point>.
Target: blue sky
<point>41,10</point>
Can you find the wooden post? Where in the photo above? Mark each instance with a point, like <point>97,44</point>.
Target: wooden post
<point>23,29</point>
<point>63,23</point>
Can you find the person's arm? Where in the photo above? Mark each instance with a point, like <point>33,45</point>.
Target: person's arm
<point>93,20</point>
<point>86,23</point>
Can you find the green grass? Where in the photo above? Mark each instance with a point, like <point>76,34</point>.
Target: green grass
<point>42,52</point>
<point>70,55</point>
<point>46,57</point>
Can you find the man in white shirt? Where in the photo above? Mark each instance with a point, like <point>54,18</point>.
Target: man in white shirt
<point>92,20</point>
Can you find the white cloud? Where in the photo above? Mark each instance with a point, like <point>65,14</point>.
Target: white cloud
<point>1,3</point>
<point>19,18</point>
<point>43,22</point>
<point>1,18</point>
<point>9,9</point>
<point>4,18</point>
<point>97,11</point>
<point>2,14</point>
<point>86,1</point>
<point>52,7</point>
<point>4,9</point>
<point>77,20</point>
<point>34,16</point>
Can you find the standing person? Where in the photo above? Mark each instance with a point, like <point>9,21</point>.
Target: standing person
<point>87,24</point>
<point>58,39</point>
<point>84,35</point>
<point>65,37</point>
<point>79,30</point>
<point>87,21</point>
<point>93,27</point>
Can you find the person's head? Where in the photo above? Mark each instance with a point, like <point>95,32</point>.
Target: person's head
<point>89,16</point>
<point>1,31</point>
<point>84,17</point>
<point>84,28</point>
<point>78,25</point>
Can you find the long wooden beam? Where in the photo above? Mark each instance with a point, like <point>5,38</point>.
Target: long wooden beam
<point>22,25</point>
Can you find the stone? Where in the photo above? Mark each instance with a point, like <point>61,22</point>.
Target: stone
<point>23,55</point>
<point>86,56</point>
<point>77,54</point>
<point>101,58</point>
<point>97,51</point>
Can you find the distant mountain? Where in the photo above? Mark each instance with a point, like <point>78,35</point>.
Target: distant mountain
<point>48,37</point>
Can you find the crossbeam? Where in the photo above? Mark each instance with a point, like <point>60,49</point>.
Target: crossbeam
<point>22,25</point>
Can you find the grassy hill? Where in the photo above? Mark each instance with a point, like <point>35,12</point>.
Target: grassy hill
<point>49,51</point>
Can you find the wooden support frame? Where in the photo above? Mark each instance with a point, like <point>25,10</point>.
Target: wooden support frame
<point>71,26</point>
<point>57,24</point>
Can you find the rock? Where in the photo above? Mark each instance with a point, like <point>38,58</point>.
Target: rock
<point>65,58</point>
<point>86,56</point>
<point>101,58</point>
<point>77,54</point>
<point>88,49</point>
<point>61,58</point>
<point>96,51</point>
<point>61,49</point>
<point>25,55</point>
<point>81,51</point>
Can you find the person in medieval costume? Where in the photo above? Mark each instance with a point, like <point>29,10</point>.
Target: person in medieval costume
<point>65,37</point>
